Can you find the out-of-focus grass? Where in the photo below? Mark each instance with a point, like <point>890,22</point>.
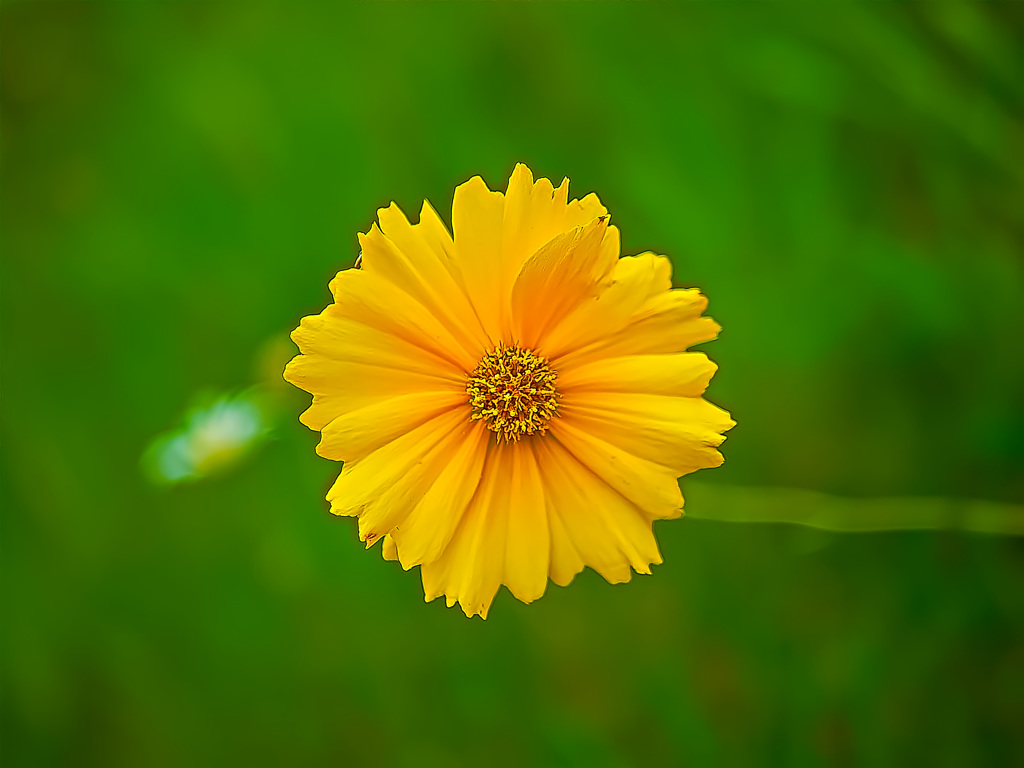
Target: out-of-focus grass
<point>181,180</point>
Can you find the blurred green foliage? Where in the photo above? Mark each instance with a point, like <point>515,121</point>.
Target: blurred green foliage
<point>181,180</point>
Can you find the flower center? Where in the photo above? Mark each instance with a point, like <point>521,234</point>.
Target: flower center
<point>514,391</point>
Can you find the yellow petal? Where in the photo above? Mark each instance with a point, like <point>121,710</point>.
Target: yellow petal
<point>423,536</point>
<point>536,212</point>
<point>595,525</point>
<point>649,485</point>
<point>679,433</point>
<point>348,366</point>
<point>340,387</point>
<point>476,220</point>
<point>332,336</point>
<point>557,278</point>
<point>436,234</point>
<point>495,234</point>
<point>566,561</point>
<point>527,546</point>
<point>669,322</point>
<point>353,435</point>
<point>371,300</point>
<point>684,373</point>
<point>633,280</point>
<point>502,538</point>
<point>470,569</point>
<point>394,505</point>
<point>414,259</point>
<point>361,482</point>
<point>635,314</point>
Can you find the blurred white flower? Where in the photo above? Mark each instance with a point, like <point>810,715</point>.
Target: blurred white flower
<point>218,432</point>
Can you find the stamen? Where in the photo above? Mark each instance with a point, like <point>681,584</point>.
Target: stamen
<point>514,391</point>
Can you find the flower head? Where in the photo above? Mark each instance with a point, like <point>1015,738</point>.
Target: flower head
<point>513,401</point>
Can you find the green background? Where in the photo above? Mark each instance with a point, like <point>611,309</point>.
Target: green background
<point>180,181</point>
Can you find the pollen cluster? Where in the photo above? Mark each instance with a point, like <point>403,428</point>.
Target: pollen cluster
<point>513,391</point>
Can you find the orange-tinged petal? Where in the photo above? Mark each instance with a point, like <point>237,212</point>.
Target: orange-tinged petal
<point>536,212</point>
<point>353,435</point>
<point>684,373</point>
<point>679,433</point>
<point>495,234</point>
<point>557,278</point>
<point>635,314</point>
<point>632,281</point>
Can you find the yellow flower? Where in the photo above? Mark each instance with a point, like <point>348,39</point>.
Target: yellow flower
<point>512,403</point>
